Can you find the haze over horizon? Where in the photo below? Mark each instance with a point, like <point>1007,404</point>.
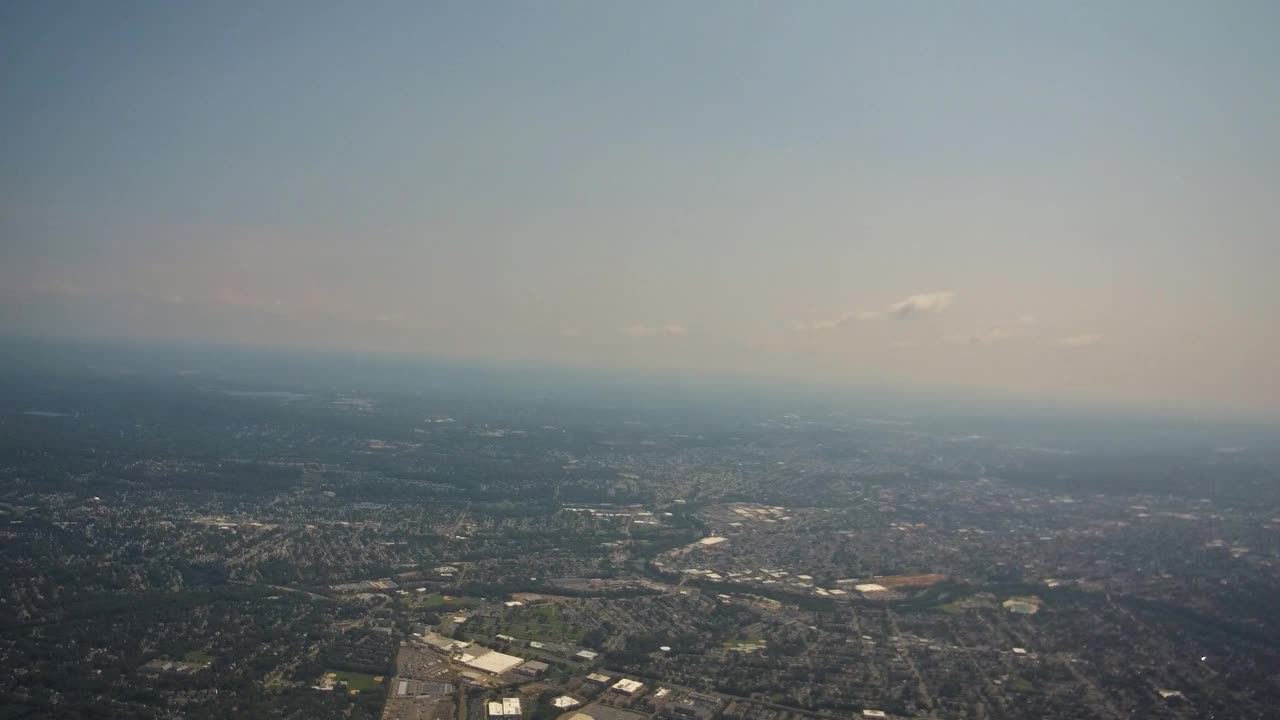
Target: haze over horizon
<point>1074,200</point>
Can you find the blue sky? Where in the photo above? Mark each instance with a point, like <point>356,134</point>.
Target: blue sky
<point>1074,199</point>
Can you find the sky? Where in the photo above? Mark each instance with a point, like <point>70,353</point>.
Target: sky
<point>1069,200</point>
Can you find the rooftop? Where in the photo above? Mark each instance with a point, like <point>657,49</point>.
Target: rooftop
<point>628,686</point>
<point>489,660</point>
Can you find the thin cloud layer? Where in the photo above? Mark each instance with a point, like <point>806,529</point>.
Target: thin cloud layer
<point>916,305</point>
<point>1077,341</point>
<point>921,304</point>
<point>994,335</point>
<point>840,321</point>
<point>1025,324</point>
<point>673,330</point>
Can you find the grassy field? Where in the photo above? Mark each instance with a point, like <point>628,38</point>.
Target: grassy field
<point>433,600</point>
<point>968,603</point>
<point>1020,685</point>
<point>197,656</point>
<point>544,622</point>
<point>356,681</point>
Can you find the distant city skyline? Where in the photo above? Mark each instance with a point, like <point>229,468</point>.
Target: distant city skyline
<point>1068,200</point>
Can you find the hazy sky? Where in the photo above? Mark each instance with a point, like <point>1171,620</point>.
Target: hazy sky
<point>1074,199</point>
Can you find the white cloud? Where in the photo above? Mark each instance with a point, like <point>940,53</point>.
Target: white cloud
<point>913,306</point>
<point>672,330</point>
<point>1077,341</point>
<point>921,304</point>
<point>904,344</point>
<point>835,322</point>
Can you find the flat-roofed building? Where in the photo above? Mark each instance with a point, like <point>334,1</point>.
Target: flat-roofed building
<point>697,705</point>
<point>504,708</point>
<point>488,660</point>
<point>628,686</point>
<point>440,642</point>
<point>408,687</point>
<point>533,667</point>
<point>658,697</point>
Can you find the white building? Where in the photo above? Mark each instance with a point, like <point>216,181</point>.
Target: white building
<point>488,660</point>
<point>629,687</point>
<point>564,702</point>
<point>504,708</point>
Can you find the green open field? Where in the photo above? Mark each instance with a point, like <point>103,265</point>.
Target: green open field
<point>198,656</point>
<point>968,603</point>
<point>355,680</point>
<point>1020,684</point>
<point>543,622</point>
<point>435,600</point>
